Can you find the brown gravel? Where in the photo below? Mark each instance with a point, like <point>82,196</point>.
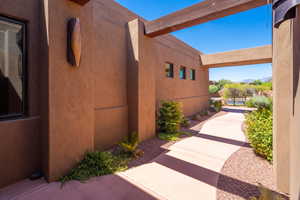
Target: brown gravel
<point>241,174</point>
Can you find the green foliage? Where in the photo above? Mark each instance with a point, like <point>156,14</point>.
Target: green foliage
<point>267,85</point>
<point>185,123</point>
<point>221,83</point>
<point>260,102</point>
<point>172,136</point>
<point>257,82</point>
<point>259,132</point>
<point>238,90</point>
<point>170,117</point>
<point>203,113</point>
<point>216,105</point>
<point>233,91</point>
<point>247,91</point>
<point>130,143</point>
<point>213,89</point>
<point>96,164</point>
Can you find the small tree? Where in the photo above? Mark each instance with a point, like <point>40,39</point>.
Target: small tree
<point>247,91</point>
<point>221,83</point>
<point>257,82</point>
<point>233,91</point>
<point>213,89</point>
<point>170,117</point>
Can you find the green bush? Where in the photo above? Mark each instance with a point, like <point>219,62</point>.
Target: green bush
<point>203,113</point>
<point>213,89</point>
<point>172,136</point>
<point>185,123</point>
<point>170,117</point>
<point>259,132</point>
<point>216,105</point>
<point>130,143</point>
<point>96,164</point>
<point>260,102</point>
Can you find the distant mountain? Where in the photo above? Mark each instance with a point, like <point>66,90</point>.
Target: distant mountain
<point>247,81</point>
<point>265,79</point>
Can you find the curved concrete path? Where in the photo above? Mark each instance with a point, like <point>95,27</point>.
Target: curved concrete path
<point>188,169</point>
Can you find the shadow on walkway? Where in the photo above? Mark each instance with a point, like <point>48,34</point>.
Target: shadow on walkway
<point>210,177</point>
<point>236,110</point>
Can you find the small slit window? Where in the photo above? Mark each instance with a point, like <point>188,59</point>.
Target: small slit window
<point>182,72</point>
<point>12,68</point>
<point>193,74</point>
<point>169,70</point>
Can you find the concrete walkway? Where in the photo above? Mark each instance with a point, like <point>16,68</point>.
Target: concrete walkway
<point>188,169</point>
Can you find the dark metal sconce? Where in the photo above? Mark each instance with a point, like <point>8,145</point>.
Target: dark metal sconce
<point>74,42</point>
<point>81,2</point>
<point>284,10</point>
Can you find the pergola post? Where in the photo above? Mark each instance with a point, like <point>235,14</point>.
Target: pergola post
<point>286,125</point>
<point>282,74</point>
<point>295,114</point>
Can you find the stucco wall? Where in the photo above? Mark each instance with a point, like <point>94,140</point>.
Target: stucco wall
<point>19,139</point>
<point>112,52</point>
<point>192,93</point>
<point>19,149</point>
<point>110,74</point>
<point>74,110</point>
<point>71,90</point>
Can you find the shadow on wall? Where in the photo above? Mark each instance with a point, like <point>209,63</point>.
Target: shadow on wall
<point>44,85</point>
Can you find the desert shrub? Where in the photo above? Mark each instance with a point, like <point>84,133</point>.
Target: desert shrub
<point>216,105</point>
<point>260,102</point>
<point>259,132</point>
<point>96,164</point>
<point>172,136</point>
<point>185,122</point>
<point>170,117</point>
<point>213,89</point>
<point>203,113</point>
<point>221,83</point>
<point>129,145</point>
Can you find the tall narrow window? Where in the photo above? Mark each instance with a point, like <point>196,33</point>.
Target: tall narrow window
<point>12,68</point>
<point>192,74</point>
<point>182,72</point>
<point>169,70</point>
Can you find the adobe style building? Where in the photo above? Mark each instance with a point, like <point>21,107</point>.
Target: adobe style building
<point>52,112</point>
<point>68,87</point>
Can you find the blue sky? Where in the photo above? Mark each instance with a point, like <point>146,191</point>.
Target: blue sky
<point>243,30</point>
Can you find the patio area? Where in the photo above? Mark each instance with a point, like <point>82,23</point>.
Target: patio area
<point>209,165</point>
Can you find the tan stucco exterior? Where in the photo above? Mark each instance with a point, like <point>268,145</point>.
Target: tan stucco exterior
<point>286,145</point>
<point>282,72</point>
<point>295,118</point>
<point>114,91</point>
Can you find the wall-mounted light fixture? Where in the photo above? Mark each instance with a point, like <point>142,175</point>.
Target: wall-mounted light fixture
<point>81,2</point>
<point>74,42</point>
<point>284,10</point>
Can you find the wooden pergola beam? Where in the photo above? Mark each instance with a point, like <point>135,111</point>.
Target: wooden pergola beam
<point>257,55</point>
<point>199,13</point>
